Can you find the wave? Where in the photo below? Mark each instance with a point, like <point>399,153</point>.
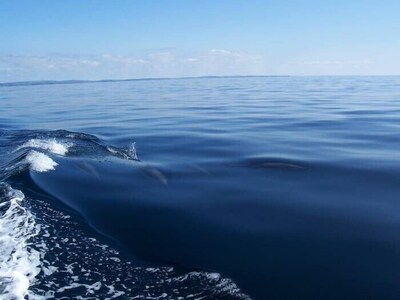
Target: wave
<point>47,250</point>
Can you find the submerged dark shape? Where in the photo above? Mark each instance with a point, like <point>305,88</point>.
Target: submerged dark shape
<point>280,165</point>
<point>270,163</point>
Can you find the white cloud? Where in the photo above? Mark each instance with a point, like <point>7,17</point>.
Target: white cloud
<point>122,60</point>
<point>338,62</point>
<point>164,63</point>
<point>235,55</point>
<point>50,62</point>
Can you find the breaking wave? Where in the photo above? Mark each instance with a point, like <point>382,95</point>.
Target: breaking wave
<point>51,145</point>
<point>40,162</point>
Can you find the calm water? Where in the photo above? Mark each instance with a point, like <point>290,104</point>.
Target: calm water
<point>213,188</point>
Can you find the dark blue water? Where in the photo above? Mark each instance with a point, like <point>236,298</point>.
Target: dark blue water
<point>212,188</point>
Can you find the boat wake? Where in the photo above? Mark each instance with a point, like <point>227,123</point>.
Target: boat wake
<point>48,250</point>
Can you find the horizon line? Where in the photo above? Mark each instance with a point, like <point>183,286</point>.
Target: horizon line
<point>76,81</point>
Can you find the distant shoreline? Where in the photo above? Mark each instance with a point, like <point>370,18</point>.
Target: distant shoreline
<point>51,82</point>
<point>54,82</point>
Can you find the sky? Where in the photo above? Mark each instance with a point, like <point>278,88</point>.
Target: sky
<point>121,39</point>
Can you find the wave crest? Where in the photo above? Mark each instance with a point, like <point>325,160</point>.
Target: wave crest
<point>40,162</point>
<point>51,145</point>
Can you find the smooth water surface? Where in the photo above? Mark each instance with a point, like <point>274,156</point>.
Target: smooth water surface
<point>209,188</point>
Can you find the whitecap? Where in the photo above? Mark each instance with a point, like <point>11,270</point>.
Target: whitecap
<point>51,145</point>
<point>40,162</point>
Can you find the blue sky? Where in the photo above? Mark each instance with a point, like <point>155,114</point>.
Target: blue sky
<point>82,39</point>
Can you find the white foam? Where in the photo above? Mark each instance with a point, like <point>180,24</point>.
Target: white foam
<point>19,262</point>
<point>40,162</point>
<point>133,152</point>
<point>51,145</point>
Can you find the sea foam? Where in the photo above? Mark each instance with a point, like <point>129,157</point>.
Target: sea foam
<point>40,162</point>
<point>19,262</point>
<point>51,145</point>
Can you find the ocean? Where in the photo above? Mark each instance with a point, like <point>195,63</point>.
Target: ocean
<point>201,188</point>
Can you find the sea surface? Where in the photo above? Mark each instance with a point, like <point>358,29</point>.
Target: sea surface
<point>201,188</point>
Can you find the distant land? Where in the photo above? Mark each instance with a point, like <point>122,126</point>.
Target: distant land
<point>51,82</point>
